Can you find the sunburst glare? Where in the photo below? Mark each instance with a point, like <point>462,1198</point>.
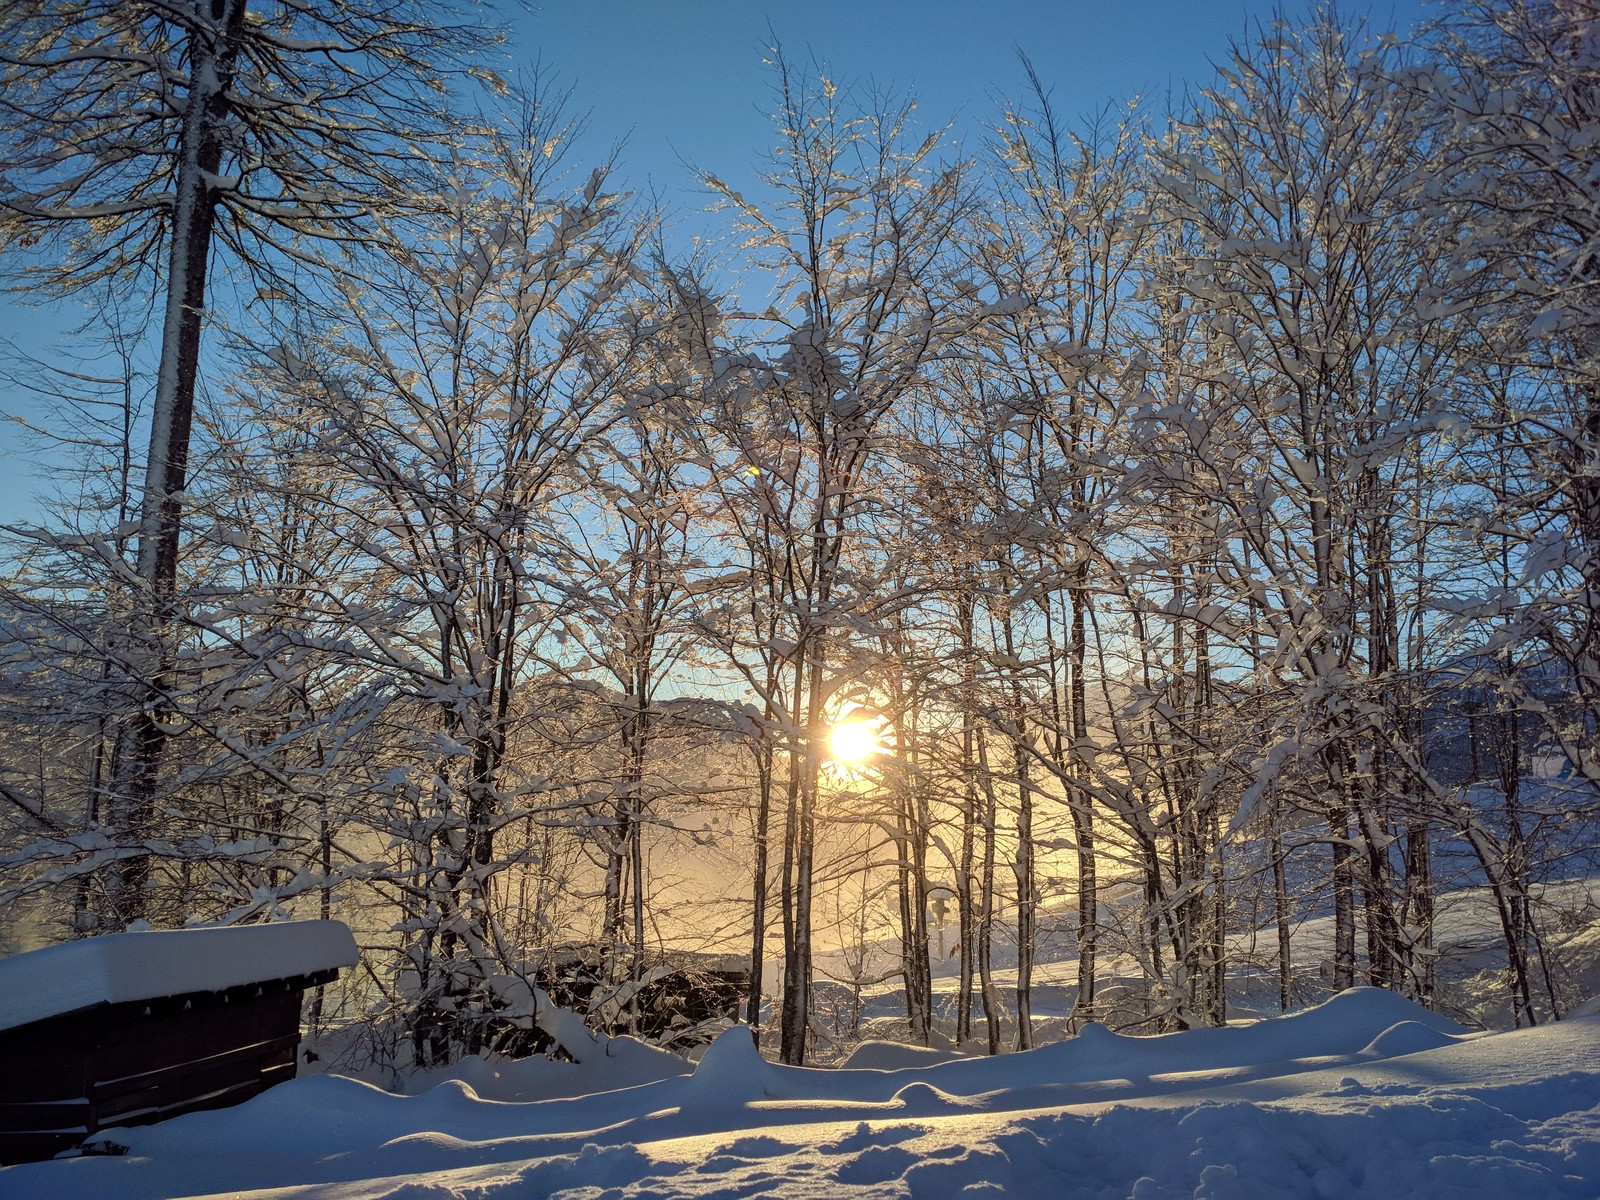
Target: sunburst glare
<point>854,741</point>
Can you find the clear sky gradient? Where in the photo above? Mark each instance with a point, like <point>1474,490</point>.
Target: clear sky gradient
<point>683,82</point>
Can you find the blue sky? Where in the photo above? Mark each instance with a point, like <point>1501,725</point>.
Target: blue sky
<point>683,81</point>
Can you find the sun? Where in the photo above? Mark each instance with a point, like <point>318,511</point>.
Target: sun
<point>853,742</point>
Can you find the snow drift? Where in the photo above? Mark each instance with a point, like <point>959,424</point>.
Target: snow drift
<point>1366,1095</point>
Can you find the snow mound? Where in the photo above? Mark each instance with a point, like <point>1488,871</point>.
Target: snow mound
<point>1588,1008</point>
<point>1364,1096</point>
<point>1408,1037</point>
<point>1345,1024</point>
<point>923,1098</point>
<point>731,1071</point>
<point>893,1056</point>
<point>618,1062</point>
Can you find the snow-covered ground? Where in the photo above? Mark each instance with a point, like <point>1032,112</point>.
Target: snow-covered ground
<point>1366,1095</point>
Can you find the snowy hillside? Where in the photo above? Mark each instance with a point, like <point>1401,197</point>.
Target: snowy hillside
<point>1365,1095</point>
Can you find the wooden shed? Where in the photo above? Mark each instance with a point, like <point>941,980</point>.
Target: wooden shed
<point>130,1028</point>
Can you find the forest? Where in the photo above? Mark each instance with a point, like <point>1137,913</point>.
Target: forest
<point>1114,540</point>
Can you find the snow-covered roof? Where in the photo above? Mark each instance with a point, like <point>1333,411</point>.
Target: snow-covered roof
<point>115,968</point>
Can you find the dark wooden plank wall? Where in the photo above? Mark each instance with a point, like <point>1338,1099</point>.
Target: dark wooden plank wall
<point>65,1078</point>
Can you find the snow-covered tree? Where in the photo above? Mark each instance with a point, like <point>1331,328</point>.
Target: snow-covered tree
<point>1302,175</point>
<point>1521,86</point>
<point>458,393</point>
<point>144,142</point>
<point>852,252</point>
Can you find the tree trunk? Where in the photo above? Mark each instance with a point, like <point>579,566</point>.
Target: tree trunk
<point>1082,808</point>
<point>985,931</point>
<point>758,900</point>
<point>966,910</point>
<point>1280,909</point>
<point>1344,913</point>
<point>1027,897</point>
<point>796,972</point>
<point>142,738</point>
